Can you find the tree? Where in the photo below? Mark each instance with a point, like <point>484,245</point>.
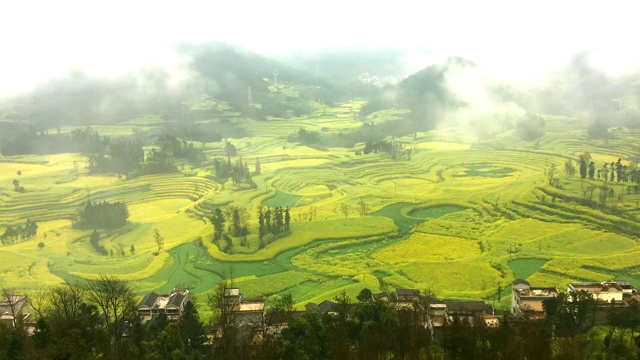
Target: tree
<point>287,220</point>
<point>584,164</point>
<point>363,208</point>
<point>66,302</point>
<point>167,345</point>
<point>76,326</point>
<point>236,222</point>
<point>240,219</point>
<point>344,209</point>
<point>279,219</point>
<point>375,320</point>
<point>157,237</point>
<point>258,167</point>
<point>11,299</point>
<point>229,149</point>
<point>592,170</point>
<point>37,300</point>
<point>117,302</point>
<point>365,295</point>
<point>218,221</point>
<point>550,173</point>
<point>306,338</point>
<point>569,168</point>
<point>222,305</point>
<point>132,250</point>
<point>191,329</point>
<point>261,226</point>
<point>40,245</point>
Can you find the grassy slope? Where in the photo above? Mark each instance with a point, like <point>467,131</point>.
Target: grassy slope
<point>491,219</point>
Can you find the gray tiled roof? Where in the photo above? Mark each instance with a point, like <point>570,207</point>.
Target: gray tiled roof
<point>149,300</point>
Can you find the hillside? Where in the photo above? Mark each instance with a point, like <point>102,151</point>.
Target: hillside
<point>426,94</point>
<point>217,71</point>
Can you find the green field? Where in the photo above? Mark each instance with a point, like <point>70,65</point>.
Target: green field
<point>490,218</point>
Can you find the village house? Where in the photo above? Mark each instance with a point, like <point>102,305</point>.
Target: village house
<point>469,312</point>
<point>277,320</point>
<point>322,308</point>
<point>627,289</point>
<point>246,315</point>
<point>528,300</point>
<point>407,295</point>
<point>172,305</point>
<point>243,311</point>
<point>608,292</point>
<point>14,308</point>
<point>609,296</point>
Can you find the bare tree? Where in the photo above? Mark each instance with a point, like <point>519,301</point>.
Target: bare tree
<point>116,300</point>
<point>37,300</point>
<point>363,208</point>
<point>157,237</point>
<point>223,301</point>
<point>344,209</point>
<point>65,302</point>
<point>312,212</point>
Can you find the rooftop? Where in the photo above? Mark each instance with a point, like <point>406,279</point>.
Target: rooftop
<point>149,300</point>
<point>407,292</point>
<point>177,298</point>
<point>594,287</point>
<point>462,306</point>
<point>161,302</point>
<point>623,284</point>
<point>438,306</point>
<point>251,306</point>
<point>155,301</point>
<point>542,292</point>
<point>232,292</point>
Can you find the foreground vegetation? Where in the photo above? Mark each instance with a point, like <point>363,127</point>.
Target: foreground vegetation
<point>68,323</point>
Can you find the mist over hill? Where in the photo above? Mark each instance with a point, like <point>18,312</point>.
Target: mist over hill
<point>455,91</point>
<point>583,90</point>
<point>220,71</point>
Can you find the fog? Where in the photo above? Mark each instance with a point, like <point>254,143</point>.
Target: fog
<point>117,55</point>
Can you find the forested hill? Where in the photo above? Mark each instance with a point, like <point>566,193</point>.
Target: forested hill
<point>425,93</point>
<point>221,72</point>
<point>228,72</point>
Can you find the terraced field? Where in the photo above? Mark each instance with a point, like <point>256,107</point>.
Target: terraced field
<point>461,218</point>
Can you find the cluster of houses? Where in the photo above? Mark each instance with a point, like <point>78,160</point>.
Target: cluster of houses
<point>615,294</point>
<point>433,314</point>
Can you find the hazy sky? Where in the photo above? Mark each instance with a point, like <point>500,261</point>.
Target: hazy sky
<point>40,39</point>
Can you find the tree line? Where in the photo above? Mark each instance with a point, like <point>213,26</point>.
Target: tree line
<point>181,149</point>
<point>96,320</point>
<point>123,156</point>
<point>609,173</point>
<point>17,234</point>
<point>233,221</point>
<point>99,319</point>
<point>380,329</point>
<point>396,150</point>
<point>612,172</point>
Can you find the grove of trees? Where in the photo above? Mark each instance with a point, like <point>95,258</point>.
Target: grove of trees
<point>16,234</point>
<point>103,215</point>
